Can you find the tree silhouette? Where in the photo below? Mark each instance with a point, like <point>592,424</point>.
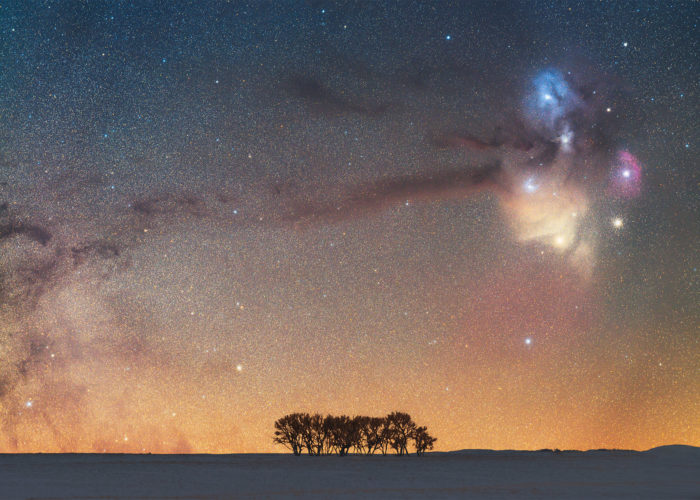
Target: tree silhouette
<point>365,435</point>
<point>361,422</point>
<point>372,433</point>
<point>422,440</point>
<point>320,431</point>
<point>288,432</point>
<point>344,434</point>
<point>385,435</point>
<point>307,436</point>
<point>402,429</point>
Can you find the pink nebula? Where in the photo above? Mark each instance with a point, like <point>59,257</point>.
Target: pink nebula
<point>626,176</point>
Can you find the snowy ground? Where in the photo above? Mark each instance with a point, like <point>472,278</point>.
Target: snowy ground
<point>668,472</point>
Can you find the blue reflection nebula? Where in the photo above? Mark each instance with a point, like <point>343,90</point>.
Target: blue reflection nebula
<point>552,100</point>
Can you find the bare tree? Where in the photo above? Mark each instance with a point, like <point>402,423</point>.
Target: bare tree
<point>288,432</point>
<point>422,440</point>
<point>334,433</point>
<point>328,425</point>
<point>372,434</point>
<point>385,436</point>
<point>361,425</point>
<point>402,429</point>
<point>320,433</point>
<point>354,434</point>
<point>343,433</point>
<point>330,434</point>
<point>307,436</point>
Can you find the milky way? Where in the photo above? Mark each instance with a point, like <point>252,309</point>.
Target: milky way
<point>214,214</point>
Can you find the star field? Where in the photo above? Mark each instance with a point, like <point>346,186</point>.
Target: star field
<point>216,213</point>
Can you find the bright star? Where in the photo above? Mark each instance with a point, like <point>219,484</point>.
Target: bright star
<point>565,138</point>
<point>528,341</point>
<point>448,37</point>
<point>626,174</point>
<point>530,185</point>
<point>617,222</point>
<point>29,404</point>
<point>239,368</point>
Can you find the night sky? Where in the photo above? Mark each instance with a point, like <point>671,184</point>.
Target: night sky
<point>215,213</point>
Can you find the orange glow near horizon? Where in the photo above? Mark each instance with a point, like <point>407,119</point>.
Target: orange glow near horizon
<point>475,383</point>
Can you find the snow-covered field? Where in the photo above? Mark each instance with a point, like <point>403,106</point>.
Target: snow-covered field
<point>664,473</point>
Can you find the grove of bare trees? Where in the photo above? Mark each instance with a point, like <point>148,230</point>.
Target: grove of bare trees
<point>324,435</point>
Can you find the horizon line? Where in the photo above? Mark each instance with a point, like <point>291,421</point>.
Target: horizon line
<point>542,450</point>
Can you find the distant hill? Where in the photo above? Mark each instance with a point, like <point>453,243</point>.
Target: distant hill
<point>667,450</point>
<point>675,449</point>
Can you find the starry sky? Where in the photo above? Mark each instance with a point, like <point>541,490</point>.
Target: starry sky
<point>215,213</point>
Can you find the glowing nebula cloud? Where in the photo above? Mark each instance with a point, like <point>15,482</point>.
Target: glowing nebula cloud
<point>545,174</point>
<point>626,176</point>
<point>549,200</point>
<point>553,100</point>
